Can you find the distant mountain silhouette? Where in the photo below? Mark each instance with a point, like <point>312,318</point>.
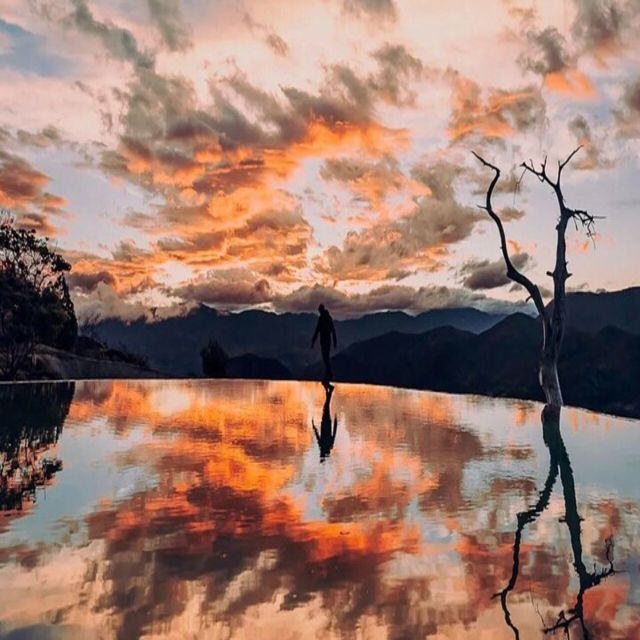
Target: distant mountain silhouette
<point>454,350</point>
<point>592,312</point>
<point>598,371</point>
<point>173,345</point>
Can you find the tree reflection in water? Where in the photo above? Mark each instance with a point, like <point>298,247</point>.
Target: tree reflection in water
<point>32,420</point>
<point>558,463</point>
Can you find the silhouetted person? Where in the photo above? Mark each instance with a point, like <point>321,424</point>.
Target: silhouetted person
<point>327,435</point>
<point>327,332</point>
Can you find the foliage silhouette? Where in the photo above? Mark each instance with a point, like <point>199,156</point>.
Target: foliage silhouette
<point>32,421</point>
<point>35,305</point>
<point>214,360</point>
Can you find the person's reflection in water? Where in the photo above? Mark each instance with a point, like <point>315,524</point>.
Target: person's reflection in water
<point>327,436</point>
<point>558,463</point>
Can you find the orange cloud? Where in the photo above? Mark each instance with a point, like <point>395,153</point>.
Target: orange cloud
<point>499,115</point>
<point>571,82</point>
<point>22,190</point>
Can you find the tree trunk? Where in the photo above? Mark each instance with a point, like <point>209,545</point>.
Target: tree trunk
<point>553,321</point>
<point>548,377</point>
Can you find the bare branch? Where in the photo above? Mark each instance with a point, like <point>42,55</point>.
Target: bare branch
<point>562,165</point>
<point>541,173</point>
<point>512,272</point>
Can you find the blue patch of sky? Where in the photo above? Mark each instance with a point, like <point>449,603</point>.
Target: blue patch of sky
<point>28,52</point>
<point>97,208</point>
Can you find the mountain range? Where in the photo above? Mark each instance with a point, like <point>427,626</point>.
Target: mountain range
<point>598,371</point>
<point>454,350</point>
<point>173,345</point>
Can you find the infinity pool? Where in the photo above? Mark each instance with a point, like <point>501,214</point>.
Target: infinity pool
<point>243,509</point>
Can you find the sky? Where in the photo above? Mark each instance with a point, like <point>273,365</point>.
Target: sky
<point>277,154</point>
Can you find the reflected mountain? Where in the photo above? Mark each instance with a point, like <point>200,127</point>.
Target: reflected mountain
<point>32,421</point>
<point>327,436</point>
<point>559,462</point>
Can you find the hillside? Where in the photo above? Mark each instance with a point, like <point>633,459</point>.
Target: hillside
<point>593,312</point>
<point>598,371</point>
<point>173,345</point>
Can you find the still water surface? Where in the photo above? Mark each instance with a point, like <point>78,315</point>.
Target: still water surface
<point>243,509</point>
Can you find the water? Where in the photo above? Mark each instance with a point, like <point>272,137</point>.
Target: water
<point>212,509</point>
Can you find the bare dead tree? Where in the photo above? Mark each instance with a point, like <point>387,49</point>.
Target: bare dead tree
<point>552,317</point>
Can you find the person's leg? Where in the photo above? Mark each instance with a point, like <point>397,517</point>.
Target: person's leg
<point>326,359</point>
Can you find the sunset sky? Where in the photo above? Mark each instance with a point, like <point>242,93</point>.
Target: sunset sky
<point>280,153</point>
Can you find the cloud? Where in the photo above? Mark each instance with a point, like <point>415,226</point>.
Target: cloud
<point>370,181</point>
<point>119,42</point>
<point>130,269</point>
<point>548,57</point>
<point>484,274</point>
<point>627,115</point>
<point>384,10</point>
<point>386,298</point>
<point>277,44</point>
<point>46,137</point>
<point>273,233</point>
<point>497,115</point>
<point>167,16</point>
<point>225,288</point>
<point>419,239</point>
<point>599,25</point>
<point>216,166</point>
<point>104,302</point>
<point>550,47</point>
<point>590,156</point>
<point>397,69</point>
<point>22,190</point>
<point>88,282</point>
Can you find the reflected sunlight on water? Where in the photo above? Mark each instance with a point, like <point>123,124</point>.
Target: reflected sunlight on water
<point>244,509</point>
